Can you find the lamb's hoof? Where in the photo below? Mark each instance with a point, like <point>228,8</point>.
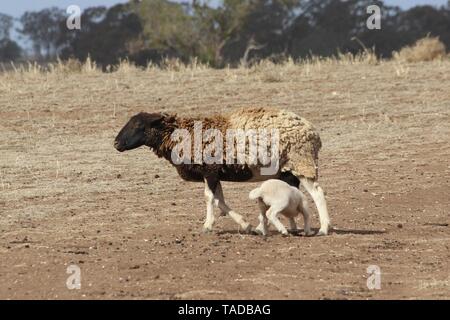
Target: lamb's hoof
<point>321,233</point>
<point>285,234</point>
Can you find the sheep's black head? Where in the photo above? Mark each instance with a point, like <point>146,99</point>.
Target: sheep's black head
<point>133,134</point>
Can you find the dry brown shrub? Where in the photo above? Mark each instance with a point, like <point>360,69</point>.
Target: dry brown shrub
<point>425,49</point>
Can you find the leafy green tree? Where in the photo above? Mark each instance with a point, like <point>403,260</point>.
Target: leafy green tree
<point>220,27</point>
<point>6,23</point>
<point>232,32</point>
<point>166,27</point>
<point>419,21</point>
<point>104,35</point>
<point>43,29</point>
<point>9,49</point>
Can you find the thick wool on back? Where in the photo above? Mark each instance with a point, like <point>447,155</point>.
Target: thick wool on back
<point>299,141</point>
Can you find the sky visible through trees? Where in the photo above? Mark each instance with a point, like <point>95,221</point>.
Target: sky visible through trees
<point>221,33</point>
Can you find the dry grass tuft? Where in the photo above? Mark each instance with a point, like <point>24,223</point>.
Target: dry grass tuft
<point>66,67</point>
<point>425,49</point>
<point>125,66</point>
<point>269,71</point>
<point>89,66</point>
<point>367,56</point>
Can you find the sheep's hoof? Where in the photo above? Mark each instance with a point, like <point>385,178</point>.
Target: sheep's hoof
<point>247,230</point>
<point>259,232</point>
<point>294,232</point>
<point>285,234</point>
<point>309,233</point>
<point>321,233</point>
<point>207,230</point>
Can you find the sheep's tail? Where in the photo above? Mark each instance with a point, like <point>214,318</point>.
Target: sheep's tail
<point>255,194</point>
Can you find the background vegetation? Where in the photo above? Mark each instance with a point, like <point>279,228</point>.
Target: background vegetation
<point>234,32</point>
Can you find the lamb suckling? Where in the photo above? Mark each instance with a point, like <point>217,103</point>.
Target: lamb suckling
<point>277,197</point>
<point>295,158</point>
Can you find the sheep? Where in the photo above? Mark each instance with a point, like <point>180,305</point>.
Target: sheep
<point>296,158</point>
<point>276,196</point>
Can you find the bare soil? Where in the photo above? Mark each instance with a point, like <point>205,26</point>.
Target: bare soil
<point>134,227</point>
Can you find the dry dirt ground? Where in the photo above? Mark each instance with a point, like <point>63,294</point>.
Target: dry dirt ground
<point>133,227</point>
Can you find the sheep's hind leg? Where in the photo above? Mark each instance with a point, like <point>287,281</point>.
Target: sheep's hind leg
<point>263,222</point>
<point>318,196</point>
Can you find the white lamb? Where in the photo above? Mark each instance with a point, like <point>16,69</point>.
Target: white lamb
<point>276,196</point>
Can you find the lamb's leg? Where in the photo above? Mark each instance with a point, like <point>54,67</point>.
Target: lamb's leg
<point>263,223</point>
<point>209,196</point>
<point>272,216</point>
<point>318,196</point>
<point>293,226</point>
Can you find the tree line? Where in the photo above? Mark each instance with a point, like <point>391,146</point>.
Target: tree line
<point>233,32</point>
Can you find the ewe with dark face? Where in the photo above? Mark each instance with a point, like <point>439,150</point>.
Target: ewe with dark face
<point>135,133</point>
<point>297,162</point>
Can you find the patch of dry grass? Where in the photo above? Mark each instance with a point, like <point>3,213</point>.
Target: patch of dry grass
<point>384,127</point>
<point>425,49</point>
<point>271,72</point>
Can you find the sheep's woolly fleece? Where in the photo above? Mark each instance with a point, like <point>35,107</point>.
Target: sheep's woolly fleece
<point>299,141</point>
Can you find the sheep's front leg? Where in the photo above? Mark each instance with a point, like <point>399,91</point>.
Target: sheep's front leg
<point>213,198</point>
<point>219,198</point>
<point>245,226</point>
<point>209,197</point>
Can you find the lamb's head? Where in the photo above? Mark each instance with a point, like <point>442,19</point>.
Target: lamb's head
<point>137,130</point>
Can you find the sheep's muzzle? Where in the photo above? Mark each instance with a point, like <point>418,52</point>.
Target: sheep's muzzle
<point>118,146</point>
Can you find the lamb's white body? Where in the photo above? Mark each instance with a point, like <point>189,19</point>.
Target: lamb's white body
<point>277,197</point>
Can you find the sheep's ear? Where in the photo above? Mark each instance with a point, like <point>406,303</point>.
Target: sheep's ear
<point>150,118</point>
